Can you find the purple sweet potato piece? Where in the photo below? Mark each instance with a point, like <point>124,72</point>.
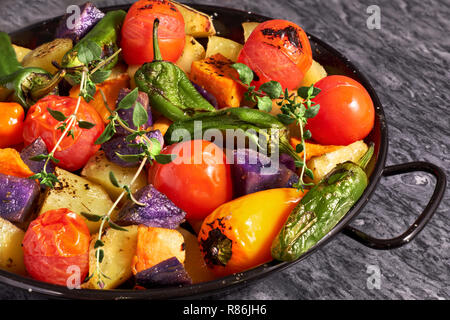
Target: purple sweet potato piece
<point>252,172</point>
<point>119,144</point>
<point>37,147</point>
<point>170,272</point>
<point>18,199</point>
<point>127,114</point>
<point>76,29</point>
<point>158,211</point>
<point>207,95</point>
<point>288,161</point>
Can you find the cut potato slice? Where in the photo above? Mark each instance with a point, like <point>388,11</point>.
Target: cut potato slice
<point>79,195</point>
<point>314,74</point>
<point>226,47</point>
<point>193,51</point>
<point>21,52</point>
<point>42,56</point>
<point>197,24</point>
<point>322,165</point>
<point>119,248</point>
<point>248,28</point>
<point>11,253</point>
<point>97,171</point>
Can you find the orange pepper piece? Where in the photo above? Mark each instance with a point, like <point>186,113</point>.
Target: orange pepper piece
<point>12,164</point>
<point>238,235</point>
<point>313,149</point>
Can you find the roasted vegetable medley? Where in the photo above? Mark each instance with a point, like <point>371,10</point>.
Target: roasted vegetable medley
<point>134,156</point>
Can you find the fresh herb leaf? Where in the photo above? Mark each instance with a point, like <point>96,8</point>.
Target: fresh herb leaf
<point>88,52</point>
<point>140,115</point>
<point>264,103</point>
<point>85,124</point>
<point>113,179</point>
<point>99,243</point>
<point>91,217</point>
<point>100,76</point>
<point>116,226</point>
<point>129,100</point>
<point>107,134</point>
<point>165,158</point>
<point>245,73</point>
<point>272,88</point>
<point>57,115</point>
<point>130,157</point>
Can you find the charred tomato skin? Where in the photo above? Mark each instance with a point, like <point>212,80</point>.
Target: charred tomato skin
<point>277,50</point>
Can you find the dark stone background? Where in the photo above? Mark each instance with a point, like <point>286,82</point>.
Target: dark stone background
<point>408,63</point>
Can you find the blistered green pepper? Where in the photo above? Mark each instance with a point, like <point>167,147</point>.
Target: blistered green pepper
<point>105,35</point>
<point>27,85</point>
<point>169,89</point>
<point>321,209</point>
<point>252,122</point>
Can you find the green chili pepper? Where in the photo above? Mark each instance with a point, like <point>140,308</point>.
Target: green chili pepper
<point>321,209</point>
<point>169,89</point>
<point>253,122</point>
<point>26,84</point>
<point>105,35</point>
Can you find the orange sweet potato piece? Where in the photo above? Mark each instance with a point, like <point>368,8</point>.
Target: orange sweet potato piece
<point>216,75</point>
<point>154,245</point>
<point>313,149</point>
<point>111,90</point>
<point>12,164</point>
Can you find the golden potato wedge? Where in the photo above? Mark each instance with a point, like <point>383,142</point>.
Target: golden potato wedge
<point>314,74</point>
<point>119,249</point>
<point>79,195</point>
<point>97,171</point>
<point>226,47</point>
<point>197,24</point>
<point>21,52</point>
<point>42,56</point>
<point>193,51</point>
<point>248,28</point>
<point>11,253</point>
<point>322,165</point>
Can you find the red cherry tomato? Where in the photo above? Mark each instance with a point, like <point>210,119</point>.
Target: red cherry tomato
<point>137,32</point>
<point>197,181</point>
<point>56,247</point>
<point>11,124</point>
<point>73,152</point>
<point>277,50</point>
<point>346,112</point>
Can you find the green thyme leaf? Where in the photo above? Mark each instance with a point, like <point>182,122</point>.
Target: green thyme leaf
<point>140,115</point>
<point>116,226</point>
<point>113,179</point>
<point>99,254</point>
<point>91,217</point>
<point>58,115</point>
<point>165,158</point>
<point>299,148</point>
<point>129,100</point>
<point>130,157</point>
<point>264,103</point>
<point>100,76</point>
<point>89,51</point>
<point>107,134</point>
<point>245,73</point>
<point>86,124</point>
<point>99,243</point>
<point>272,88</point>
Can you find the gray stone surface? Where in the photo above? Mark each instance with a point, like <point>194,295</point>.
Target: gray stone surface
<point>408,63</point>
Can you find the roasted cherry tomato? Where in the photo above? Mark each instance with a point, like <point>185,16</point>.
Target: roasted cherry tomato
<point>56,247</point>
<point>73,152</point>
<point>277,50</point>
<point>11,124</point>
<point>197,181</point>
<point>346,112</point>
<point>137,32</point>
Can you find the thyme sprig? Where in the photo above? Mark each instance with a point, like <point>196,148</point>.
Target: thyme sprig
<point>295,108</point>
<point>87,79</point>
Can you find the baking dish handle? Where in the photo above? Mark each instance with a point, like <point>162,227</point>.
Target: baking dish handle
<point>422,220</point>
